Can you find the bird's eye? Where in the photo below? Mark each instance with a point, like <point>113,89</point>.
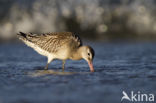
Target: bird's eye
<point>88,54</point>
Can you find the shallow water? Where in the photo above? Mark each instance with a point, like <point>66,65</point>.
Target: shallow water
<point>118,67</point>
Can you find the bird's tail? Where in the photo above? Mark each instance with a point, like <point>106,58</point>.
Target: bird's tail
<point>22,36</point>
<point>25,37</point>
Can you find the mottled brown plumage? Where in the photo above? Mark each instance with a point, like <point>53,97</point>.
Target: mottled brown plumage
<point>52,42</point>
<point>58,45</point>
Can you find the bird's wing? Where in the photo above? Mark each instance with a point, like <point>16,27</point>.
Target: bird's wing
<point>51,42</point>
<point>76,39</point>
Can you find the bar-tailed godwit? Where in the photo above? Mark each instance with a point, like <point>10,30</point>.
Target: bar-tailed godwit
<point>59,45</point>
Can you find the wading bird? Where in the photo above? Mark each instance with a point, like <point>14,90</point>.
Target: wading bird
<point>59,45</point>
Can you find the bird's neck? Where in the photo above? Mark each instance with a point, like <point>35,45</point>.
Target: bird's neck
<point>77,55</point>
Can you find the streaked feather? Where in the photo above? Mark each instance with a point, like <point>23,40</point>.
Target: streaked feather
<point>52,42</point>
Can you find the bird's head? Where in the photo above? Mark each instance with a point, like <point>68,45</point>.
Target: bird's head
<point>88,55</point>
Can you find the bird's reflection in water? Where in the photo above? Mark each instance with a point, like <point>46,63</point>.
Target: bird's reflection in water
<point>52,72</point>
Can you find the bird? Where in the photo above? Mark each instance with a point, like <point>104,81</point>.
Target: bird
<point>59,45</point>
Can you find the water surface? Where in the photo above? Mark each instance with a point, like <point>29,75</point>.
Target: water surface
<point>118,67</point>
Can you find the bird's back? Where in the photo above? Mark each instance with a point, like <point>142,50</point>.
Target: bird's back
<point>51,42</point>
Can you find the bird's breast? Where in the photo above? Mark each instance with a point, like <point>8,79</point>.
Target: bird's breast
<point>75,56</point>
<point>63,54</point>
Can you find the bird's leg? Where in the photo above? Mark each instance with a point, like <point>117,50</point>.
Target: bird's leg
<point>49,60</point>
<point>46,67</point>
<point>63,64</point>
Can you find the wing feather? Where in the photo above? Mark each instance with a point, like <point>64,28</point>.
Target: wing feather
<point>52,42</point>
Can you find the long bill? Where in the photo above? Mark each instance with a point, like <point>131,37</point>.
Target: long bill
<point>91,66</point>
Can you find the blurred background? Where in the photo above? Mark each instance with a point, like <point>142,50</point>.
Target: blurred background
<point>104,20</point>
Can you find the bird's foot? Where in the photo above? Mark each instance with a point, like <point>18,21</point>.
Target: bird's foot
<point>62,69</point>
<point>46,67</point>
